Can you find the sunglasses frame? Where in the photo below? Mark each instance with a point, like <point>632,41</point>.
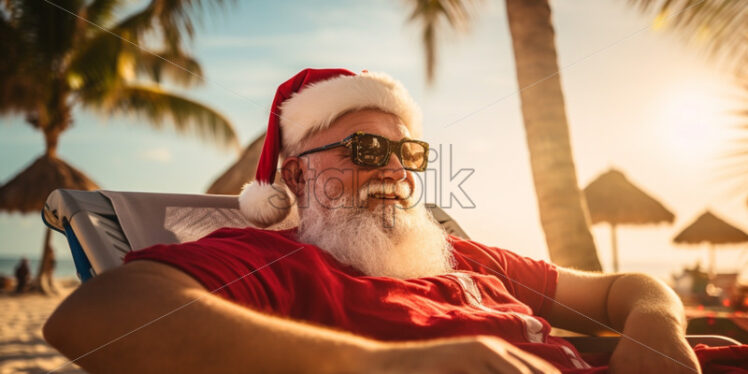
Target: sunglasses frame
<point>351,142</point>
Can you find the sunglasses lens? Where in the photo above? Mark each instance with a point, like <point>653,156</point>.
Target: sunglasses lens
<point>413,155</point>
<point>372,150</point>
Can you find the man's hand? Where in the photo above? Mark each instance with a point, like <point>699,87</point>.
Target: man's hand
<point>666,351</point>
<point>481,354</point>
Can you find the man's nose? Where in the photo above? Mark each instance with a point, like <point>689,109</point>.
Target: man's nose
<point>393,170</point>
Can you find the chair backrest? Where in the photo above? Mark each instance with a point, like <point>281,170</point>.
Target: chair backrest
<point>103,226</point>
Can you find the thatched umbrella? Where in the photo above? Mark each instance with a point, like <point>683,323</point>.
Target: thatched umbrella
<point>241,172</point>
<point>28,190</point>
<point>612,198</point>
<point>713,230</point>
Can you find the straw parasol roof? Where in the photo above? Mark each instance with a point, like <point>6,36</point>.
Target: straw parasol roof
<point>28,190</point>
<point>713,230</point>
<point>710,229</point>
<point>612,198</point>
<point>241,172</point>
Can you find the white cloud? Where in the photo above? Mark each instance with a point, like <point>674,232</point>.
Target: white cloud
<point>160,154</point>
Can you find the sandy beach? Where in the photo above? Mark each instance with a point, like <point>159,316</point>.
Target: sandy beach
<point>22,348</point>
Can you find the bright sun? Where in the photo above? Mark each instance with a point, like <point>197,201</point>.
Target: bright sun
<point>694,123</point>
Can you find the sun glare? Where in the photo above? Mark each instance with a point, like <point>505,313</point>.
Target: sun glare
<point>693,124</point>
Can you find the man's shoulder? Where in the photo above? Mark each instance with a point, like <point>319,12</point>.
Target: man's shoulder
<point>474,252</point>
<point>227,242</point>
<point>251,234</point>
<point>463,245</point>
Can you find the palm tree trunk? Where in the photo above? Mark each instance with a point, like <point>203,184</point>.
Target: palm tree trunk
<point>51,138</point>
<point>560,201</point>
<point>44,281</point>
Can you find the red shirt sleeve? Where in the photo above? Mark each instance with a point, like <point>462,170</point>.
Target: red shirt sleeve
<point>532,282</point>
<point>216,261</point>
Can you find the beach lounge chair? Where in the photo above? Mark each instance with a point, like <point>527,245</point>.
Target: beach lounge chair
<point>102,226</point>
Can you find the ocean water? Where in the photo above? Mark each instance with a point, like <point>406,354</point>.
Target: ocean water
<point>65,268</point>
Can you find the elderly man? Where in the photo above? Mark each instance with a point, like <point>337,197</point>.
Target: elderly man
<point>367,283</point>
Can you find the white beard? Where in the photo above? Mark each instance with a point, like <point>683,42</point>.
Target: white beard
<point>390,241</point>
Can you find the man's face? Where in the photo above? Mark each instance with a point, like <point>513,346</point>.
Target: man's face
<point>336,177</point>
<point>365,216</point>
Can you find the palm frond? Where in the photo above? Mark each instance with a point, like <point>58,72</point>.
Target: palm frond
<point>50,29</point>
<point>101,12</point>
<point>22,83</point>
<point>734,165</point>
<point>431,14</point>
<point>178,67</point>
<point>93,67</point>
<point>175,18</point>
<point>160,107</point>
<point>719,26</point>
<point>136,25</point>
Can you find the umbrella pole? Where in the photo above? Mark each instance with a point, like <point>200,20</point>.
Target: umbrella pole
<point>614,246</point>
<point>711,261</point>
<point>44,281</point>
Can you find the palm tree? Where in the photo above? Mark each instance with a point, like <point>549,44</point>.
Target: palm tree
<point>65,54</point>
<point>560,201</point>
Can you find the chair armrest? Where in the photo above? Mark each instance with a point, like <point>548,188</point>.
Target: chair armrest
<point>90,224</point>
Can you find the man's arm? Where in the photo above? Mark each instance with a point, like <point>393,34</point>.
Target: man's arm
<point>648,313</point>
<point>148,317</point>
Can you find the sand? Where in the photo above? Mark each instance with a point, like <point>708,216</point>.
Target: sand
<point>22,348</point>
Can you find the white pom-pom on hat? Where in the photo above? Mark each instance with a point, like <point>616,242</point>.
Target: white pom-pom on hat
<point>264,204</point>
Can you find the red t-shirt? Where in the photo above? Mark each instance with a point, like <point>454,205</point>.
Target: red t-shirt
<point>491,291</point>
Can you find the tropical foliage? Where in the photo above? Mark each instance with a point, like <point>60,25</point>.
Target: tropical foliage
<point>68,54</point>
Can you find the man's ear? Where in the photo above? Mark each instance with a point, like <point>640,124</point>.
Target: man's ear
<point>292,173</point>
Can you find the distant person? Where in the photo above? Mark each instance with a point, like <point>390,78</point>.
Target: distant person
<point>23,275</point>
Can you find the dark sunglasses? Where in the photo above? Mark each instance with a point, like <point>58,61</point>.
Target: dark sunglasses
<point>374,151</point>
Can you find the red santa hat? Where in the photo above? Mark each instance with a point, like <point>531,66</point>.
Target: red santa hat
<point>311,100</point>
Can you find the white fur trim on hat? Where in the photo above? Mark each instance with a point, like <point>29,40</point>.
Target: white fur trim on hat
<point>264,204</point>
<point>317,105</point>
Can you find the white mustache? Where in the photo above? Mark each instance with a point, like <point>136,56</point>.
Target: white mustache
<point>401,190</point>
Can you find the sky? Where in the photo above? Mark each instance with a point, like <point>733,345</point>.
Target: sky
<point>638,100</point>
